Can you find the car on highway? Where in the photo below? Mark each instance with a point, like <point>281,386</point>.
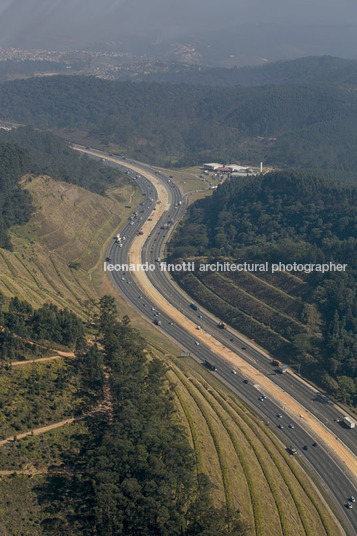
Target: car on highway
<point>280,426</point>
<point>291,426</point>
<point>349,505</point>
<point>305,447</point>
<point>246,381</point>
<point>234,371</point>
<point>197,343</point>
<point>279,415</point>
<point>352,499</point>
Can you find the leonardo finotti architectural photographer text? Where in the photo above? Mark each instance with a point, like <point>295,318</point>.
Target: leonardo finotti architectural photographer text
<point>227,267</point>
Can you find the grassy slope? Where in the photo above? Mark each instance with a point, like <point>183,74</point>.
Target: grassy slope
<point>69,225</point>
<point>248,465</point>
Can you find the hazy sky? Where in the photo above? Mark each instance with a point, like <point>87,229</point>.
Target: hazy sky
<point>328,25</point>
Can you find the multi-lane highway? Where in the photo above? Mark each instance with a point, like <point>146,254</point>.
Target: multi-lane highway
<point>334,477</point>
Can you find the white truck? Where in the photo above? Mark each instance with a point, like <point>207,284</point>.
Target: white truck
<point>349,422</point>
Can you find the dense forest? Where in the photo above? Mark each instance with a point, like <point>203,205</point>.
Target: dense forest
<point>20,322</point>
<point>28,151</point>
<point>292,125</point>
<point>135,471</point>
<point>287,217</point>
<point>15,203</point>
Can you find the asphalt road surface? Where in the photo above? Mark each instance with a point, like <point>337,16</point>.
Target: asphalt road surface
<point>333,476</point>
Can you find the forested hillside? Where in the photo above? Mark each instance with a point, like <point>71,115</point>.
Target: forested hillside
<point>132,470</point>
<point>15,204</point>
<point>19,322</point>
<point>309,318</point>
<point>307,126</point>
<point>52,156</point>
<point>25,150</point>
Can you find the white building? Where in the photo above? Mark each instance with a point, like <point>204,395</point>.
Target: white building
<point>245,172</point>
<point>236,167</point>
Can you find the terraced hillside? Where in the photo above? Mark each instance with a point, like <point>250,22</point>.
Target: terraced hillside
<point>57,251</point>
<point>249,467</point>
<point>269,309</point>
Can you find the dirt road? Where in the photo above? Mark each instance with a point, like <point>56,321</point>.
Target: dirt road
<point>42,429</point>
<point>39,360</point>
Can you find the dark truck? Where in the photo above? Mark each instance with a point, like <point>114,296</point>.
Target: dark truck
<point>194,306</point>
<point>210,366</point>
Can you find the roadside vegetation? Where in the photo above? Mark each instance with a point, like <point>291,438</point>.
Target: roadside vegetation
<point>306,319</point>
<point>271,491</point>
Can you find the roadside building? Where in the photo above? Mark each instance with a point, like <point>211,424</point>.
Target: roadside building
<point>236,168</point>
<point>211,166</point>
<point>223,169</point>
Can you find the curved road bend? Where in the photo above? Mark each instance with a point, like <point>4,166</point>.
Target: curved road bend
<point>335,479</point>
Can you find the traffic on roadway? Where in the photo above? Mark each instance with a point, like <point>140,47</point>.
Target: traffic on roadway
<point>335,478</point>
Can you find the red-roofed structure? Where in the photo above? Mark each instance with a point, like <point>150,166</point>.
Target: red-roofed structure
<point>224,170</point>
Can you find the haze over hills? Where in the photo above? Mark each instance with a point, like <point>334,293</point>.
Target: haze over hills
<point>225,33</point>
<point>309,70</point>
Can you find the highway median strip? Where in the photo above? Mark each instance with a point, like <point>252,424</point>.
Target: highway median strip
<point>296,410</point>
